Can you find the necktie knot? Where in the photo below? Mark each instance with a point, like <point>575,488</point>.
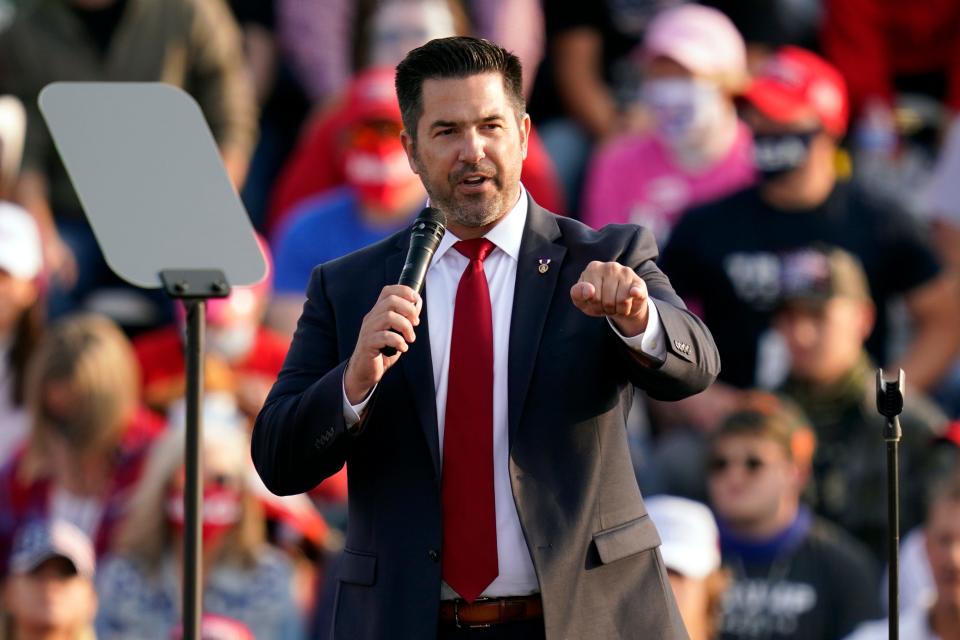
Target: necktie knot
<point>475,249</point>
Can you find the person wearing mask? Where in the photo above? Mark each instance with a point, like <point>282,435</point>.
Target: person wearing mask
<point>587,78</point>
<point>381,196</point>
<point>243,577</point>
<point>192,44</point>
<point>49,591</point>
<point>88,433</point>
<point>793,575</point>
<point>690,544</point>
<point>938,619</point>
<point>21,320</point>
<point>824,316</point>
<point>725,256</point>
<point>697,151</point>
<point>383,32</point>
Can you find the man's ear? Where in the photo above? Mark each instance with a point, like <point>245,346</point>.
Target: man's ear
<point>525,133</point>
<point>409,147</point>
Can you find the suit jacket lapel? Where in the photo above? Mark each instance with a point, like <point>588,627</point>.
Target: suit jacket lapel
<point>531,302</point>
<point>417,364</point>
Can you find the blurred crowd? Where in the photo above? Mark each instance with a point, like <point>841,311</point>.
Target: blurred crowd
<point>797,160</point>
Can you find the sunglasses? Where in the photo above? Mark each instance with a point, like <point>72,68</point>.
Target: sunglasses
<point>719,464</point>
<point>368,134</point>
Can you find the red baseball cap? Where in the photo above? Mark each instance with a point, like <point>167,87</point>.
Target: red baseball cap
<point>372,96</point>
<point>795,83</point>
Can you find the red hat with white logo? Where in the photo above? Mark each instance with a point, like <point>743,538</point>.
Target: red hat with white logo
<point>373,96</point>
<point>794,84</point>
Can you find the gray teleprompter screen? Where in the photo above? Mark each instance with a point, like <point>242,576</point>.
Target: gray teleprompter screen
<point>151,180</point>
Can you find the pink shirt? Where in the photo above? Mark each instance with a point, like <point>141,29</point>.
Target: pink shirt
<point>635,180</point>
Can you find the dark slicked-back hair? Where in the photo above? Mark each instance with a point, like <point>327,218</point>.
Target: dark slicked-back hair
<point>454,57</point>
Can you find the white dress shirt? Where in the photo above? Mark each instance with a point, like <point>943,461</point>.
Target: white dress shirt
<point>517,575</point>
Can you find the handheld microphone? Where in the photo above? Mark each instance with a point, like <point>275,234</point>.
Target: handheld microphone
<point>425,236</point>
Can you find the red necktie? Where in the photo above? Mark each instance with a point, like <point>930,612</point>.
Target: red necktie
<point>469,514</point>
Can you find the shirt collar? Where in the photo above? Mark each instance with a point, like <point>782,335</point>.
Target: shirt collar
<point>506,234</point>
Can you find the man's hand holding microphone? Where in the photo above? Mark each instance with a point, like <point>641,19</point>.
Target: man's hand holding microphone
<point>388,329</point>
<point>389,324</point>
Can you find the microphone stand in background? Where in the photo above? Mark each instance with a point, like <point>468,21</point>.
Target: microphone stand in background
<point>890,404</point>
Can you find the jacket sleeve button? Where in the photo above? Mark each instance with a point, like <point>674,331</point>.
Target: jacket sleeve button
<point>434,555</point>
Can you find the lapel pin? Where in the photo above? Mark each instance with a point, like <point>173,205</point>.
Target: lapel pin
<point>544,265</point>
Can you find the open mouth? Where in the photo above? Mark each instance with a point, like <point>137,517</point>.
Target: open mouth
<point>474,181</point>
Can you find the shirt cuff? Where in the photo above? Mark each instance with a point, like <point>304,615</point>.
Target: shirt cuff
<point>351,412</point>
<point>650,342</point>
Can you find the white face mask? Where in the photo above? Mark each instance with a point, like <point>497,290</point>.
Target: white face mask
<point>691,116</point>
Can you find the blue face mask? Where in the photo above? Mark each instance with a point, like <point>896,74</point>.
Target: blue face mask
<point>775,154</point>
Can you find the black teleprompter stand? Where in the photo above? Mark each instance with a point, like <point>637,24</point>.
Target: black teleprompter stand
<point>890,404</point>
<point>193,287</point>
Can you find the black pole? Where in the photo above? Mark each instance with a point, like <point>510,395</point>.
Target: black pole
<point>193,494</point>
<point>893,517</point>
<point>890,404</point>
<point>193,287</point>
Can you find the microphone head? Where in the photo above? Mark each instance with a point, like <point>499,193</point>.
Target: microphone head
<point>889,394</point>
<point>425,235</point>
<point>433,216</point>
<point>428,229</point>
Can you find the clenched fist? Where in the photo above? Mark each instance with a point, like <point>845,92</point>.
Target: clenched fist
<point>613,290</point>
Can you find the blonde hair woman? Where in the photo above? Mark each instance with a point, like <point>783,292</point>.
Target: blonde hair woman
<point>244,579</point>
<point>88,432</point>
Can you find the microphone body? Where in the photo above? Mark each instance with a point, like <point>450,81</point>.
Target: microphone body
<point>425,236</point>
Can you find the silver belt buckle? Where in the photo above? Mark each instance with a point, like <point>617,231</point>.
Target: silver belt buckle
<point>456,615</point>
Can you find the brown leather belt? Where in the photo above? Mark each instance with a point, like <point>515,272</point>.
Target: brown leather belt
<point>490,611</point>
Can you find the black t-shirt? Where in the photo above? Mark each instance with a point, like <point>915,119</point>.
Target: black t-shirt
<point>774,23</point>
<point>101,23</point>
<point>821,588</point>
<point>620,25</point>
<point>724,260</point>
